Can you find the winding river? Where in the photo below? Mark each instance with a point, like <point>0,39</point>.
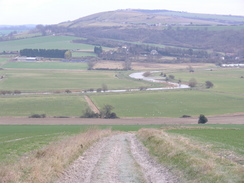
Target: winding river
<point>139,76</point>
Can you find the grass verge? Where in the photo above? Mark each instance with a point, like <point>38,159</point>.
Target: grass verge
<point>188,159</point>
<point>46,164</point>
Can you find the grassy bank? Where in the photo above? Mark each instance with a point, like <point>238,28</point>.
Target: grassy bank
<point>192,160</point>
<point>47,163</point>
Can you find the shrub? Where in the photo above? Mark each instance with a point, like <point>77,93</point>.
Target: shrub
<point>146,74</point>
<point>67,91</point>
<point>192,82</point>
<point>88,113</point>
<point>141,88</point>
<point>171,77</point>
<point>37,116</point>
<point>209,84</point>
<point>202,119</point>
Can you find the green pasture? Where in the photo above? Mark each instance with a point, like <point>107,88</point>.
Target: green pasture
<point>173,103</point>
<point>230,139</point>
<point>48,42</point>
<point>224,80</point>
<point>30,81</point>
<point>45,65</point>
<point>83,54</point>
<point>16,140</point>
<point>51,105</point>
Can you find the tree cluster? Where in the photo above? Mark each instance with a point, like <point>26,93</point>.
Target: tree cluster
<point>106,113</point>
<point>49,53</point>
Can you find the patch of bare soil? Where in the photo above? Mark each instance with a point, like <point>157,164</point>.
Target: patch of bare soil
<point>116,159</point>
<point>237,118</point>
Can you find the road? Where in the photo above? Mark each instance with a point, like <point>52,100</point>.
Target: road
<point>120,158</point>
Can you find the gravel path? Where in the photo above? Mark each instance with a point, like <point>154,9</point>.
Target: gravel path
<point>117,159</point>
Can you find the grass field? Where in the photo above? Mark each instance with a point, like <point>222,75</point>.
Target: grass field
<point>45,65</point>
<point>51,105</point>
<point>171,103</point>
<point>223,139</point>
<point>48,42</point>
<point>224,80</point>
<point>83,54</point>
<point>61,80</point>
<point>15,140</point>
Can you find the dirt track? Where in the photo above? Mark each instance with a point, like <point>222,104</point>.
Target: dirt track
<point>117,159</point>
<point>237,118</point>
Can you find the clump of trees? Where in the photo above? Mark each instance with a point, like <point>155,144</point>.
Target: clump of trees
<point>49,53</point>
<point>202,119</point>
<point>105,113</point>
<point>98,50</point>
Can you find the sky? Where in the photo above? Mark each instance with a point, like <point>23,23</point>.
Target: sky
<point>19,12</point>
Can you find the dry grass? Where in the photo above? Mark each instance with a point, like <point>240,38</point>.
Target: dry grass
<point>109,65</point>
<point>190,160</point>
<point>48,163</point>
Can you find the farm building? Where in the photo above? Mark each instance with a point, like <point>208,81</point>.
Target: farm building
<point>22,59</point>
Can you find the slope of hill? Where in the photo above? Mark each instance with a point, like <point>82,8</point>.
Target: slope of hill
<point>129,18</point>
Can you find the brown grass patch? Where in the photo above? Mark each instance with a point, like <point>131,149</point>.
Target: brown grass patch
<point>48,163</point>
<point>109,65</point>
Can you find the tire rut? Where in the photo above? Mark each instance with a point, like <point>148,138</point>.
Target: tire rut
<point>119,158</point>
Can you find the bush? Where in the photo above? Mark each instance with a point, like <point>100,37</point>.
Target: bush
<point>202,119</point>
<point>209,84</point>
<point>88,113</point>
<point>68,91</point>
<point>146,74</point>
<point>37,116</point>
<point>171,77</point>
<point>141,88</point>
<point>185,116</point>
<point>192,82</point>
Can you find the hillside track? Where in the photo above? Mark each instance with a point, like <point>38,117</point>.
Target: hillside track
<point>120,158</point>
<point>236,118</point>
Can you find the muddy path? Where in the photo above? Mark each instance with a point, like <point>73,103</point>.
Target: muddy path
<point>120,158</point>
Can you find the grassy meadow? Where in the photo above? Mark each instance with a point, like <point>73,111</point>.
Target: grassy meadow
<point>33,81</point>
<point>48,42</point>
<point>16,140</point>
<point>231,139</point>
<point>45,65</point>
<point>171,103</point>
<point>224,80</point>
<point>51,105</point>
<point>188,151</point>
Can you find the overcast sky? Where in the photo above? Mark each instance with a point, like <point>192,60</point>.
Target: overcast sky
<point>17,12</point>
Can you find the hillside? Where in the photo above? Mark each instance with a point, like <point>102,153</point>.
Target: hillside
<point>146,18</point>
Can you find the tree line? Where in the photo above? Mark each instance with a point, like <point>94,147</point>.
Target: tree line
<point>50,53</point>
